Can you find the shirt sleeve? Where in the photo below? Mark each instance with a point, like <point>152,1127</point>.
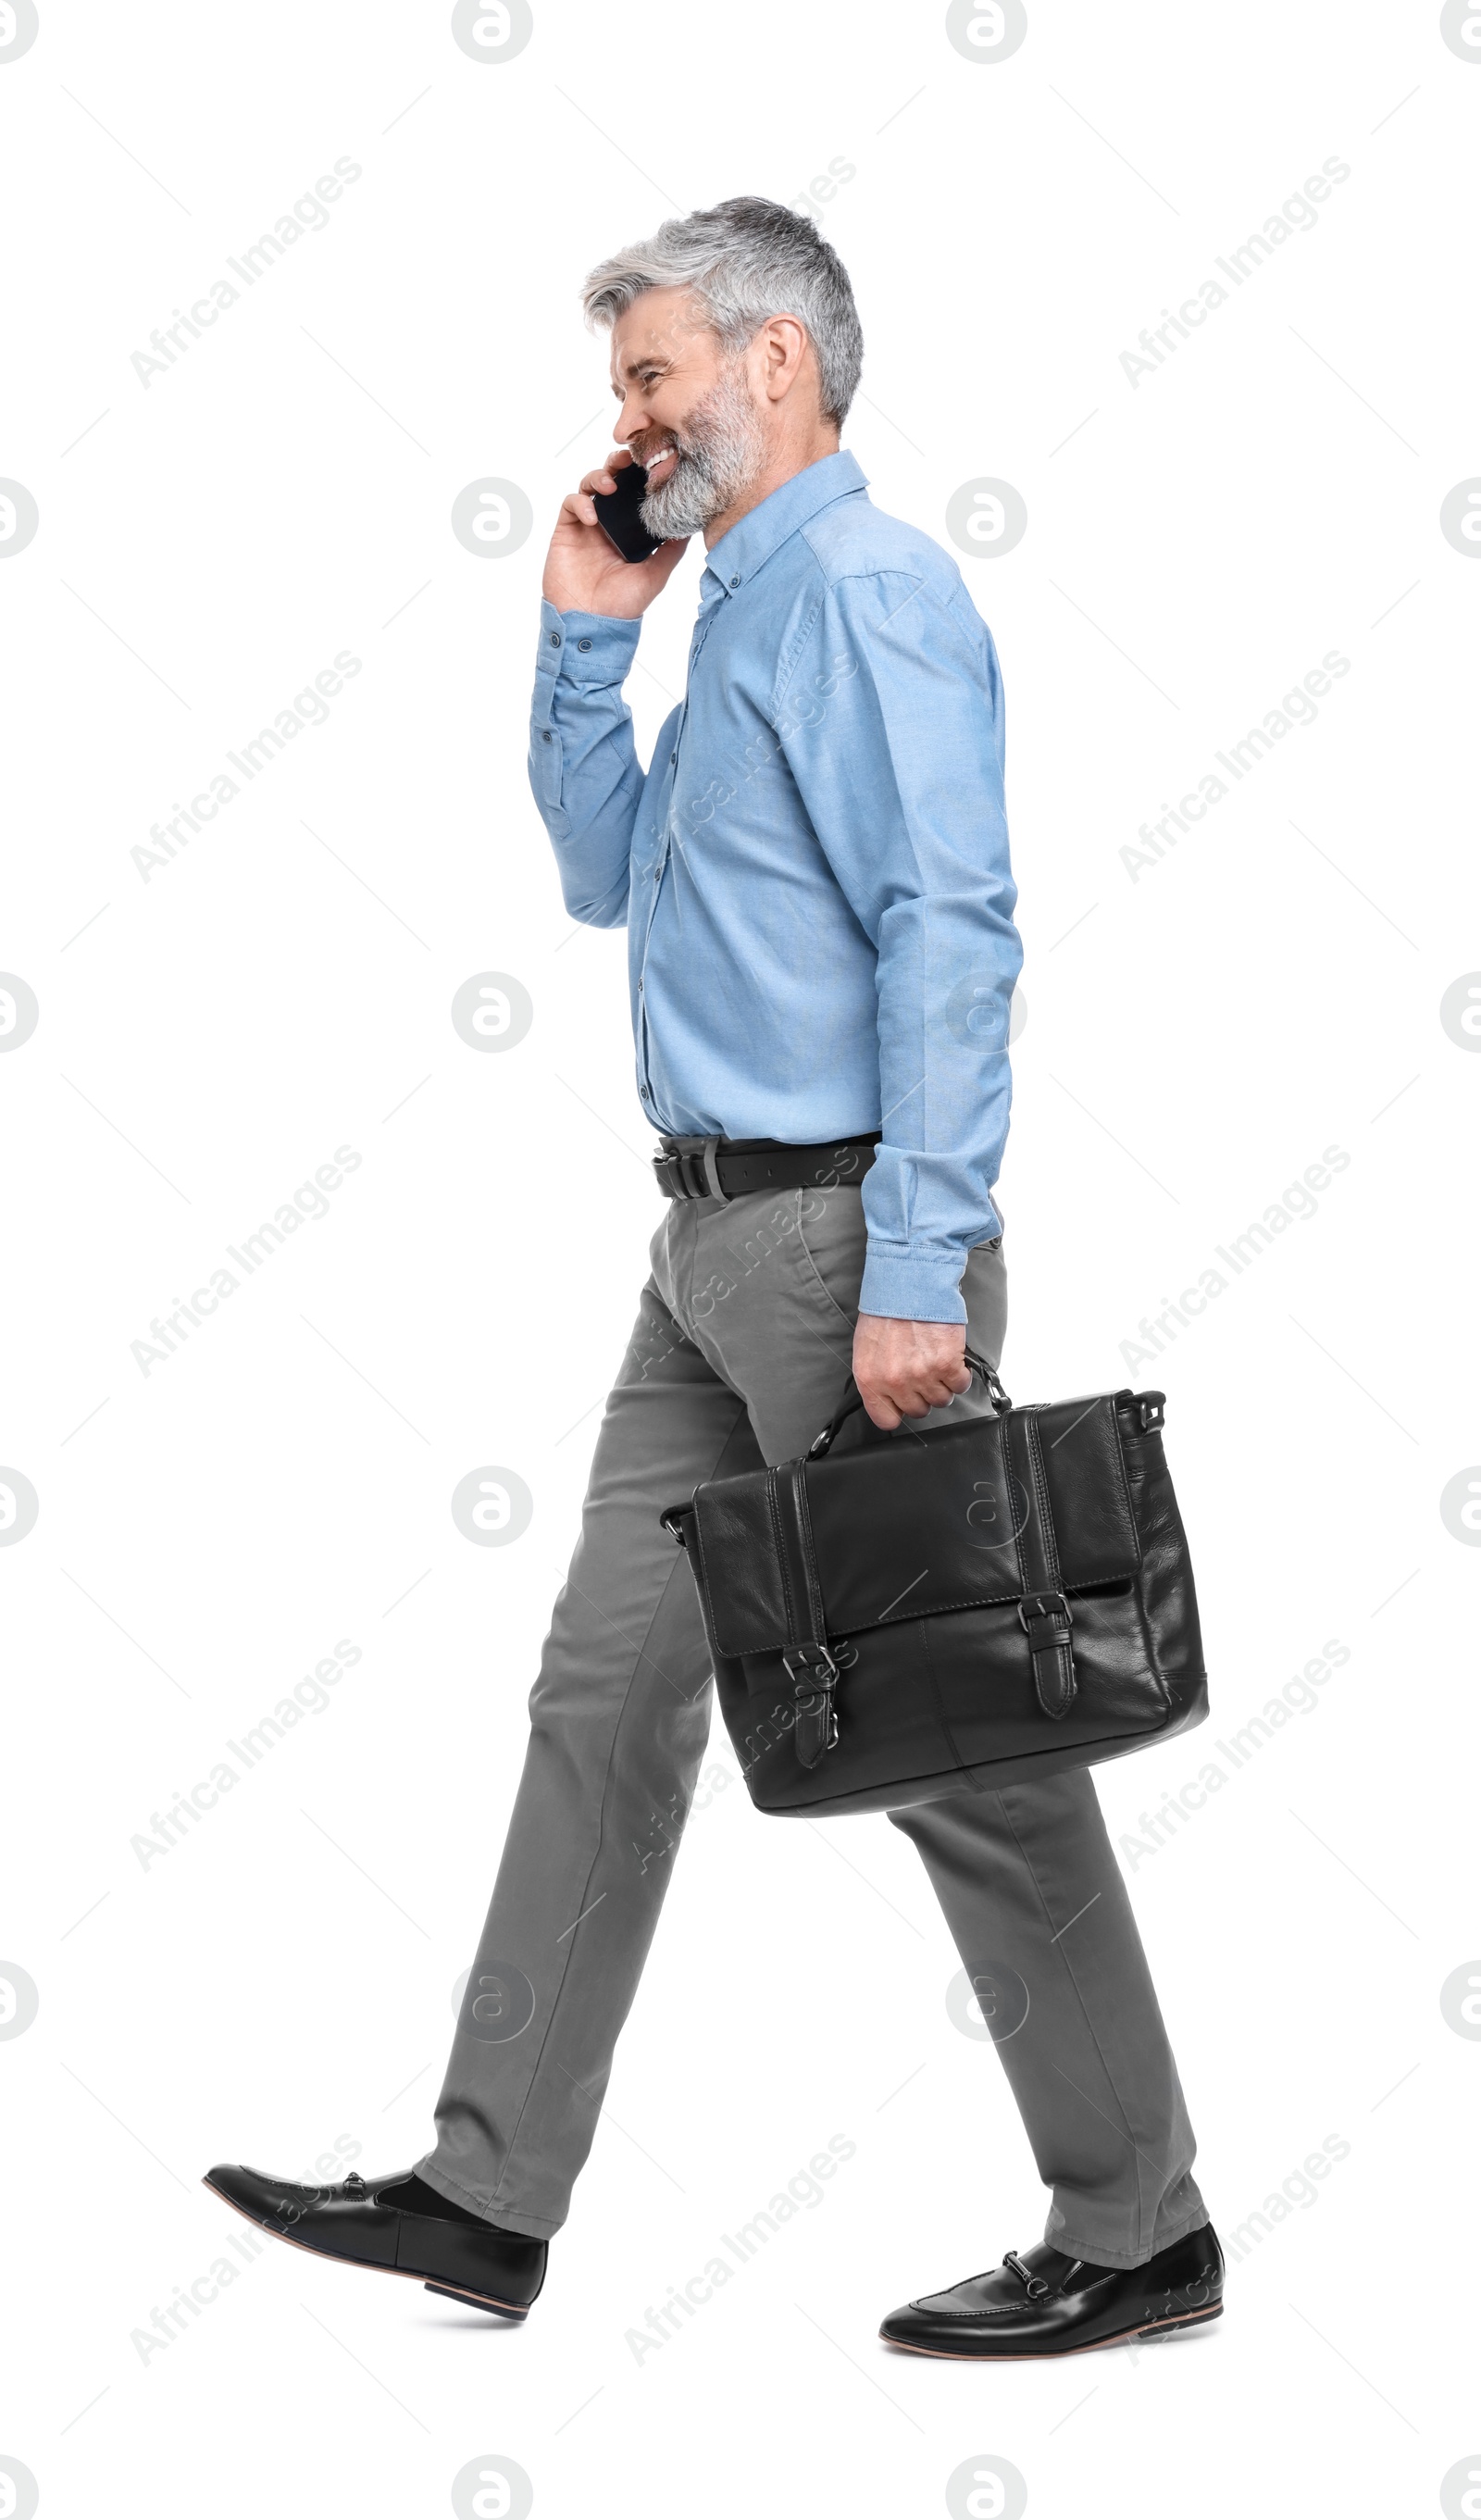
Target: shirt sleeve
<point>892,727</point>
<point>583,763</point>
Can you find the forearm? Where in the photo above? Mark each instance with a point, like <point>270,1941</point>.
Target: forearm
<point>947,968</point>
<point>583,764</point>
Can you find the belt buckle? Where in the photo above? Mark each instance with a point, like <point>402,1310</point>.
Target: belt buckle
<point>696,1173</point>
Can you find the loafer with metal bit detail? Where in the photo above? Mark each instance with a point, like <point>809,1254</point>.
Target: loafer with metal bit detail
<point>362,2224</point>
<point>1045,2303</point>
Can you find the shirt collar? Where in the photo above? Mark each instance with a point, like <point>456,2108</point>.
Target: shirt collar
<point>764,528</point>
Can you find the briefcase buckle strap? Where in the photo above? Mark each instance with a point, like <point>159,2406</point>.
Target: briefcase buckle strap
<point>1047,1622</point>
<point>810,1659</point>
<point>1047,1611</point>
<point>813,1673</point>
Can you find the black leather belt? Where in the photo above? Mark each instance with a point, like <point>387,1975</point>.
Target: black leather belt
<point>728,1168</point>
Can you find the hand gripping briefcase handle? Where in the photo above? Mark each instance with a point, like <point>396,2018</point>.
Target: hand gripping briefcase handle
<point>853,1399</point>
<point>950,1609</point>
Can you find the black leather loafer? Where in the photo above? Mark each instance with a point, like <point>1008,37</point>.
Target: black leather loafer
<point>1045,2303</point>
<point>362,2224</point>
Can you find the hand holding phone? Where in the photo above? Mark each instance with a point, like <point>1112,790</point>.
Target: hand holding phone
<point>617,514</point>
<point>601,559</point>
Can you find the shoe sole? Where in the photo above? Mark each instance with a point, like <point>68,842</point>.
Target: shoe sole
<point>327,2257</point>
<point>1059,2353</point>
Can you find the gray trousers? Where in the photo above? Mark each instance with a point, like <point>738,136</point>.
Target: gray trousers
<point>739,1354</point>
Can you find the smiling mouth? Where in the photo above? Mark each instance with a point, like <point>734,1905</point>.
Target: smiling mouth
<point>661,466</point>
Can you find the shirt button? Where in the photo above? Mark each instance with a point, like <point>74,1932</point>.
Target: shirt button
<point>672,758</point>
<point>583,645</point>
<point>546,737</point>
<point>734,581</point>
<point>555,638</point>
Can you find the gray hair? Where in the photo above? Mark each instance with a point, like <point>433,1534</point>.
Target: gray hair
<point>745,260</point>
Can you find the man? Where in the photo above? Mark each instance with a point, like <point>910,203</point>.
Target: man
<point>814,877</point>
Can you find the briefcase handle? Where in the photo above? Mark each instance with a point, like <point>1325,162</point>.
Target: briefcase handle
<point>853,1399</point>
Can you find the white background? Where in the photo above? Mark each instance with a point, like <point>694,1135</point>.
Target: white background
<point>1194,1039</point>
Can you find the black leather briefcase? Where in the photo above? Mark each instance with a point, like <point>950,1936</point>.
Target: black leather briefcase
<point>933,1613</point>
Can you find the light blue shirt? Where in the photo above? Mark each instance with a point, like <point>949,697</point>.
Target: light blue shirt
<point>814,870</point>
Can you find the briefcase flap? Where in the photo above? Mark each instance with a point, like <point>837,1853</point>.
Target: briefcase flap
<point>921,1524</point>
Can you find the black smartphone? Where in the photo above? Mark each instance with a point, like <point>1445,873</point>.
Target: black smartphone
<point>617,514</point>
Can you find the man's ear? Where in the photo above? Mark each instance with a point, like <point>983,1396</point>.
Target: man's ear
<point>784,348</point>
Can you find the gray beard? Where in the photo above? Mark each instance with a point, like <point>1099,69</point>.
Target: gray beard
<point>720,455</point>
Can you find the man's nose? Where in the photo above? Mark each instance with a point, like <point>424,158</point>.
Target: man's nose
<point>631,420</point>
